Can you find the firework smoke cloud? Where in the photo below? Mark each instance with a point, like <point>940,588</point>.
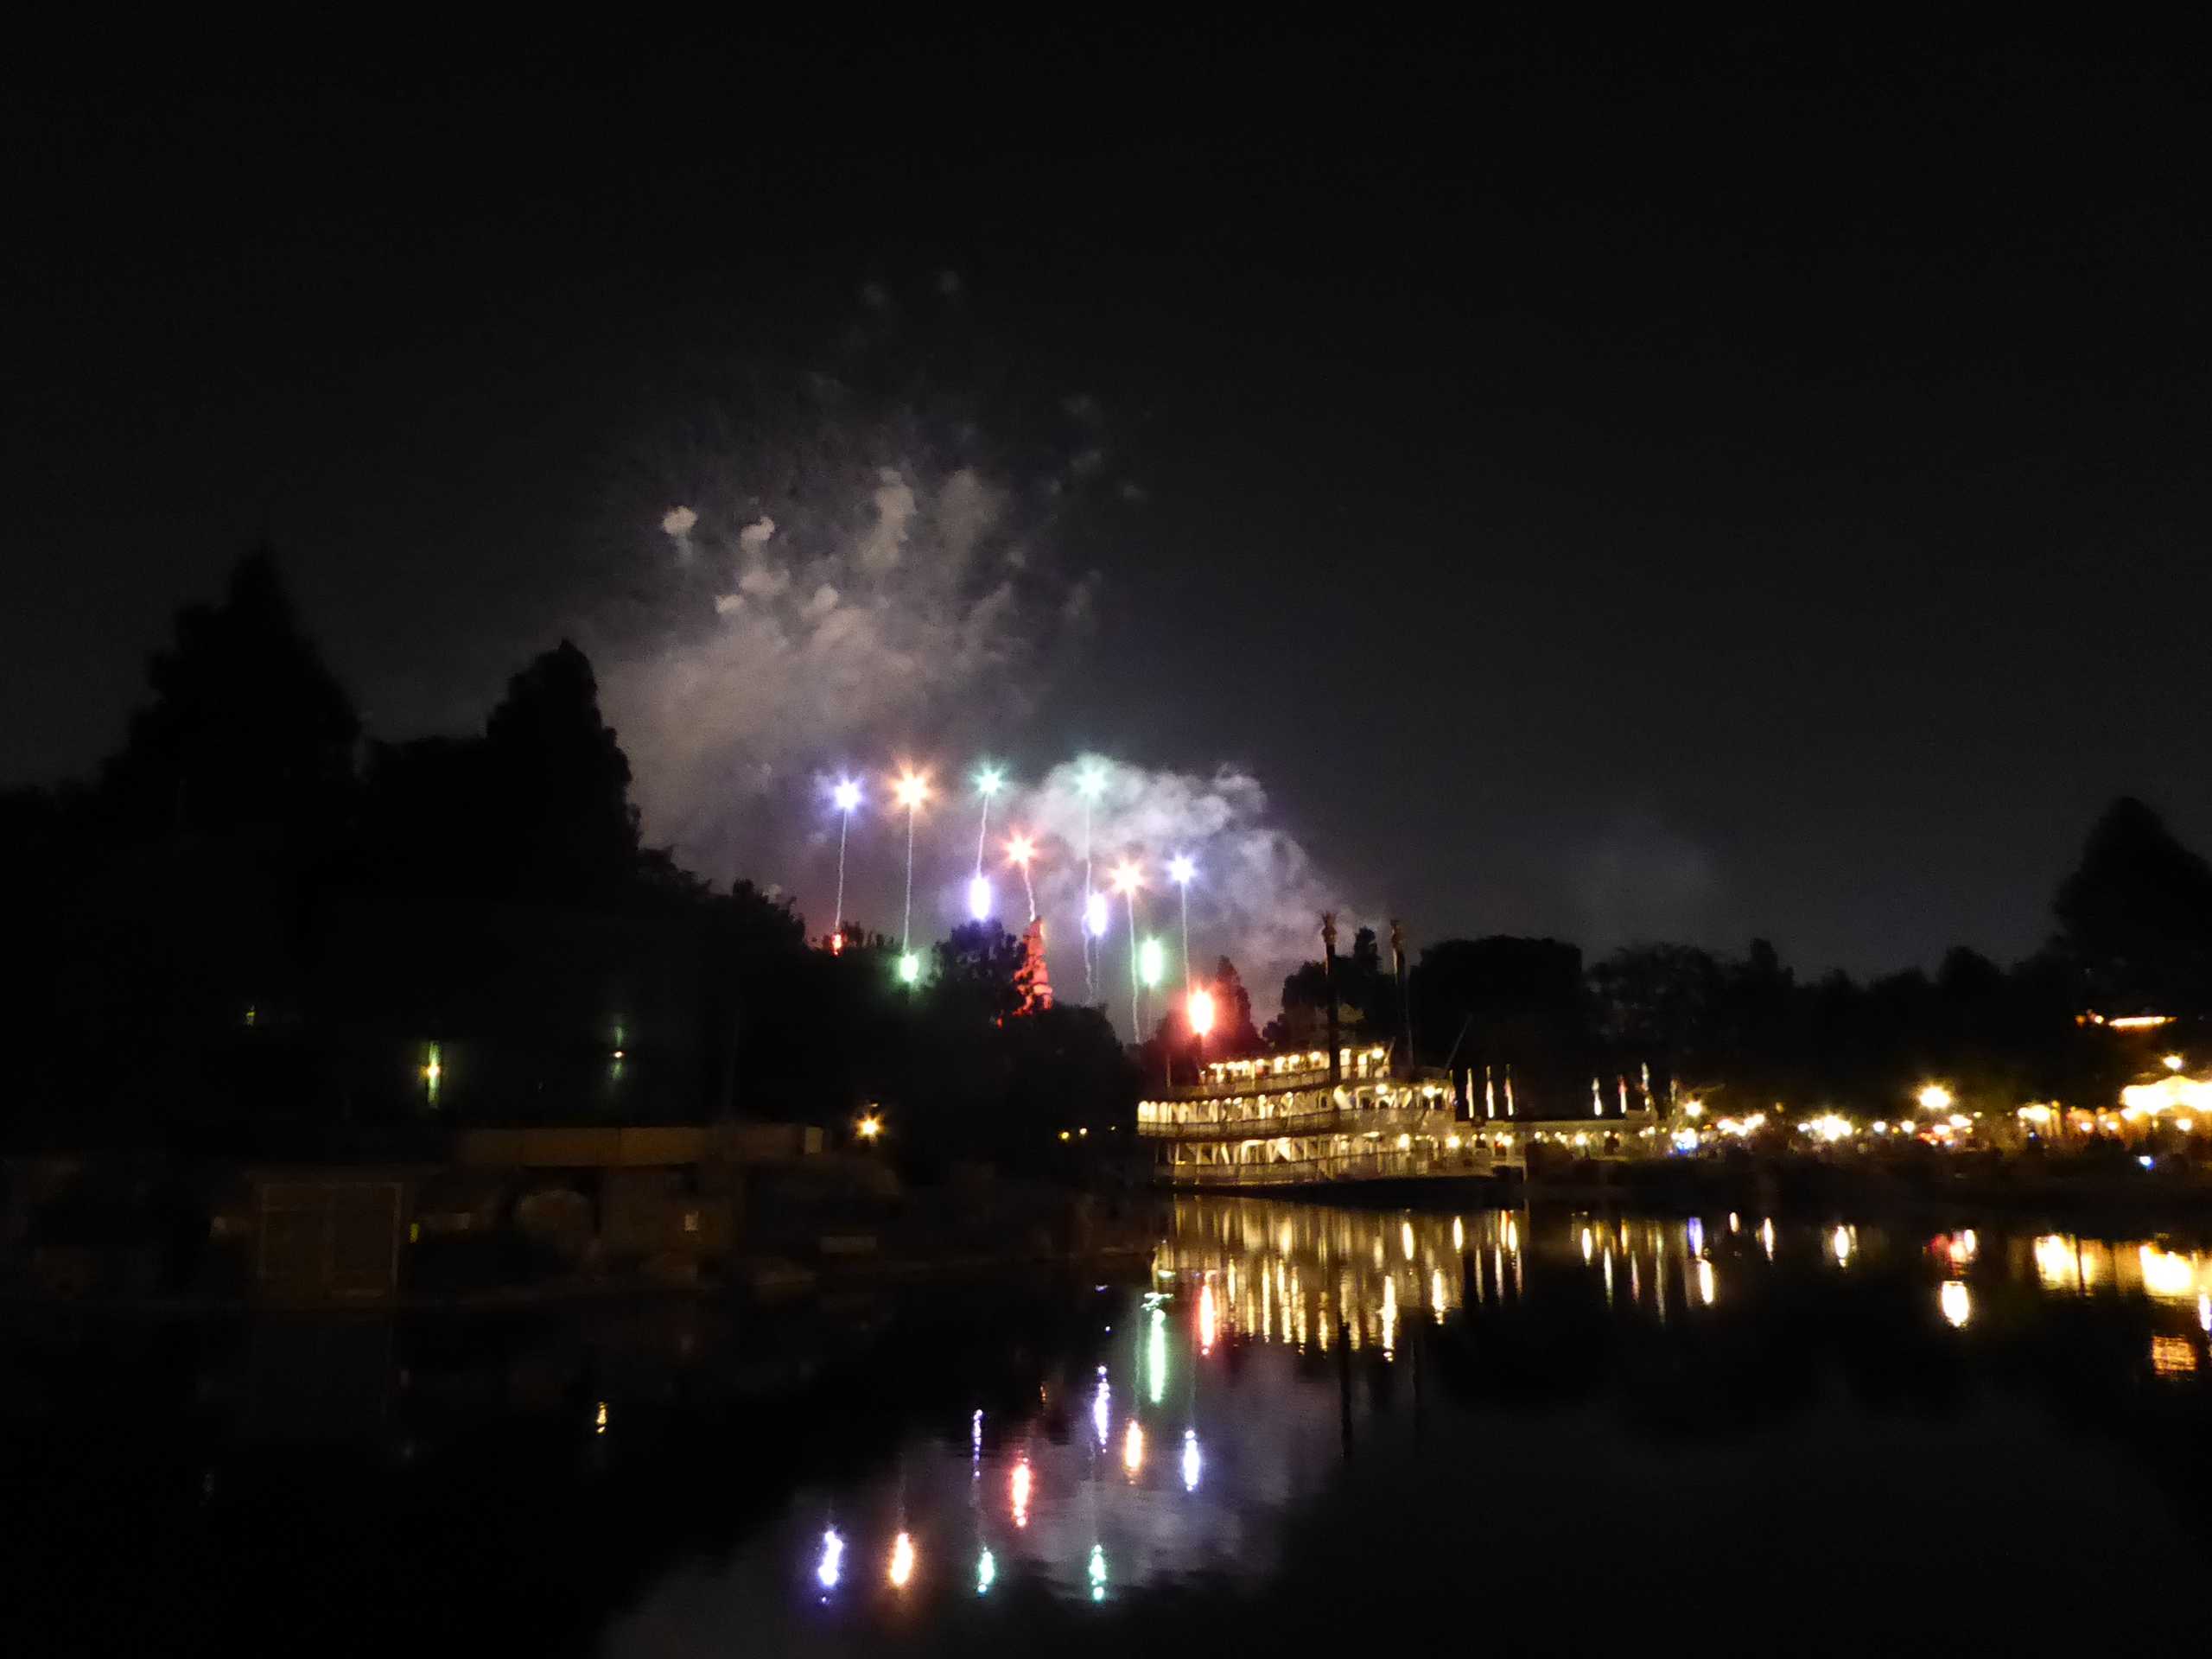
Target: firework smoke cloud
<point>839,569</point>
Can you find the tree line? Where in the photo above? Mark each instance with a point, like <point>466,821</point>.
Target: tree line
<point>253,928</point>
<point>2133,937</point>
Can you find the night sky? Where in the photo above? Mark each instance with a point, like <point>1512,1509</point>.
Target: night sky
<point>1687,486</point>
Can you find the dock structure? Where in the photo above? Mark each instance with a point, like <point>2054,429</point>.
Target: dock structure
<point>1294,1120</point>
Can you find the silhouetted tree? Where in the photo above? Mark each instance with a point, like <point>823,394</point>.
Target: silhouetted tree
<point>2136,915</point>
<point>559,778</point>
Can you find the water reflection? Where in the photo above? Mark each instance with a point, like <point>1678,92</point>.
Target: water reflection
<point>1188,1428</point>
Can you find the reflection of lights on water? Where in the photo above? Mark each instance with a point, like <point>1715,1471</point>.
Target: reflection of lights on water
<point>1102,1407</point>
<point>1191,1462</point>
<point>902,1559</point>
<point>1390,1316</point>
<point>1405,1238</point>
<point>2204,1310</point>
<point>1209,1318</point>
<point>833,1554</point>
<point>1586,1245</point>
<point>986,1571</point>
<point>2063,1267</point>
<point>975,1436</point>
<point>1156,1354</point>
<point>1133,1448</point>
<point>599,1420</point>
<point>2169,1277</point>
<point>1458,1235</point>
<point>1512,1234</point>
<point>1841,1244</point>
<point>1705,1282</point>
<point>1957,1304</point>
<point>1436,1293</point>
<point>1020,1483</point>
<point>1733,1225</point>
<point>1098,1573</point>
<point>1766,1237</point>
<point>2173,1356</point>
<point>1695,1230</point>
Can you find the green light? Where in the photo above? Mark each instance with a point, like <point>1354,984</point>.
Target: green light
<point>1152,962</point>
<point>989,781</point>
<point>1156,1355</point>
<point>910,968</point>
<point>986,1571</point>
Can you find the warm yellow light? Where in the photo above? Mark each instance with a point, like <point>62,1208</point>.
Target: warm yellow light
<point>870,1127</point>
<point>2174,1061</point>
<point>902,1559</point>
<point>1934,1097</point>
<point>1133,1448</point>
<point>2035,1113</point>
<point>1199,1007</point>
<point>1020,1489</point>
<point>1957,1304</point>
<point>1126,877</point>
<point>911,790</point>
<point>1693,1108</point>
<point>2169,1277</point>
<point>599,1422</point>
<point>1842,1243</point>
<point>1019,850</point>
<point>1705,1282</point>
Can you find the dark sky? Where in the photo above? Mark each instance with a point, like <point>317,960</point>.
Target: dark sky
<point>1695,485</point>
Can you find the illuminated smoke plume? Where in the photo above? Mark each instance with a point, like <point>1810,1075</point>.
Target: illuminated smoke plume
<point>1257,897</point>
<point>829,575</point>
<point>825,571</point>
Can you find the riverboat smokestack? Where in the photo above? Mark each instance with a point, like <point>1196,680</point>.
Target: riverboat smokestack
<point>1329,994</point>
<point>1405,1006</point>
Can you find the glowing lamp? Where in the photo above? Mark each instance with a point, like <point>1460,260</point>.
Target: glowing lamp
<point>2173,1062</point>
<point>979,898</point>
<point>1200,1011</point>
<point>910,968</point>
<point>838,943</point>
<point>1095,917</point>
<point>1933,1098</point>
<point>869,1127</point>
<point>902,1559</point>
<point>911,790</point>
<point>1152,962</point>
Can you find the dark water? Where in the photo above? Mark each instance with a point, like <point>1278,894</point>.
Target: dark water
<point>1296,1428</point>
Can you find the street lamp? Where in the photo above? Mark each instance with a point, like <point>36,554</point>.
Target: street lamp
<point>1934,1097</point>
